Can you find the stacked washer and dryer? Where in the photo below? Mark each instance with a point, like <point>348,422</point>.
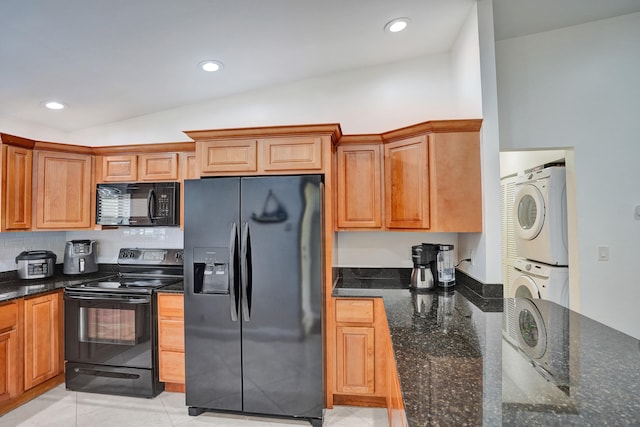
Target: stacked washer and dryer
<point>540,225</point>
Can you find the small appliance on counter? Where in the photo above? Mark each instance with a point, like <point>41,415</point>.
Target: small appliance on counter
<point>80,257</point>
<point>446,266</point>
<point>433,264</point>
<point>35,264</point>
<point>423,259</point>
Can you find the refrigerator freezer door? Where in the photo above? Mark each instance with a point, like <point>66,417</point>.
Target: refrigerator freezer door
<point>281,337</point>
<point>212,332</point>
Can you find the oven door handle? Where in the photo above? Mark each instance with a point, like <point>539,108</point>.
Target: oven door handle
<point>103,298</point>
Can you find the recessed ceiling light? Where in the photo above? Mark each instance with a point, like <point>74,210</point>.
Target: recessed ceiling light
<point>210,65</point>
<point>54,105</point>
<point>396,25</point>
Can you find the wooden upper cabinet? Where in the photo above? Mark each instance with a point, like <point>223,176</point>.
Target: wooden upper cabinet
<point>359,181</point>
<point>16,194</point>
<point>118,168</point>
<point>406,171</point>
<point>228,156</point>
<point>293,153</point>
<point>456,186</point>
<point>138,167</point>
<point>158,167</point>
<point>189,166</point>
<point>63,190</point>
<point>264,150</point>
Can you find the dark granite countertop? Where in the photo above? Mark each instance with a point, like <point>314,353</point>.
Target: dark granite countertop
<point>174,288</point>
<point>461,361</point>
<point>11,287</point>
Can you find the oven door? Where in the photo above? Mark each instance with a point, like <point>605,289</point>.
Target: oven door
<point>109,329</point>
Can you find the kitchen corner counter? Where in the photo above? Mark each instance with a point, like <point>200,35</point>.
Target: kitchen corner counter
<point>460,362</point>
<point>12,288</point>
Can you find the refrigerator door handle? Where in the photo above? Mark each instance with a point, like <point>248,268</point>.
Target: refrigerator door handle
<point>245,272</point>
<point>233,288</point>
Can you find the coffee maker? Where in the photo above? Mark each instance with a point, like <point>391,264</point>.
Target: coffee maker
<point>80,257</point>
<point>423,260</point>
<point>433,264</point>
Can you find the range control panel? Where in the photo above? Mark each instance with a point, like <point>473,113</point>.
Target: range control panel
<point>145,256</point>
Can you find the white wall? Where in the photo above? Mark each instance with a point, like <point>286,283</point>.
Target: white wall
<point>579,87</point>
<point>11,244</point>
<point>371,100</point>
<point>485,248</point>
<point>368,100</point>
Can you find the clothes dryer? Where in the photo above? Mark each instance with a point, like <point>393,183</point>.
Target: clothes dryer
<point>540,216</point>
<point>535,280</point>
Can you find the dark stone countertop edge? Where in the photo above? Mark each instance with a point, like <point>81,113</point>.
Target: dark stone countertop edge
<point>12,288</point>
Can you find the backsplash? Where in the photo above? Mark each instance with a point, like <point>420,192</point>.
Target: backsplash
<point>12,243</point>
<point>109,242</point>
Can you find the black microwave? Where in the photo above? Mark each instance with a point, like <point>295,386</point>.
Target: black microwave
<point>138,204</point>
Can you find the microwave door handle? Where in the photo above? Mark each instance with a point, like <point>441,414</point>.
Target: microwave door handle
<point>151,205</point>
<point>233,285</point>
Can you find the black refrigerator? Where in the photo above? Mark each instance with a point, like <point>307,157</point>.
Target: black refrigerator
<point>253,274</point>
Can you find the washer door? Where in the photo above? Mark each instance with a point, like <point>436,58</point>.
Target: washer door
<point>525,287</point>
<point>531,330</point>
<point>528,212</point>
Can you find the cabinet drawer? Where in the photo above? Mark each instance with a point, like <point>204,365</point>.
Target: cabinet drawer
<point>171,366</point>
<point>171,305</point>
<point>8,316</point>
<point>354,310</point>
<point>171,334</point>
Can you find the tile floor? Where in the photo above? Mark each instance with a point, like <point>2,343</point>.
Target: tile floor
<point>62,408</point>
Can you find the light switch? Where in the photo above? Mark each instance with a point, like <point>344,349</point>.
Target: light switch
<point>603,253</point>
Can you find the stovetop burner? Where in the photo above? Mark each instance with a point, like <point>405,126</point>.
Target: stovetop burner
<point>141,272</point>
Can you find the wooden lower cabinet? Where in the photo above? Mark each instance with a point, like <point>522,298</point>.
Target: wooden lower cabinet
<point>171,340</point>
<point>43,323</point>
<point>31,348</point>
<point>9,351</point>
<point>360,362</point>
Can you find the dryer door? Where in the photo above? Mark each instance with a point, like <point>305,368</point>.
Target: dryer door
<point>528,212</point>
<point>525,287</point>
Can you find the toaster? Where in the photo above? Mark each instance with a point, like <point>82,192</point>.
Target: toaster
<point>80,257</point>
<point>35,264</point>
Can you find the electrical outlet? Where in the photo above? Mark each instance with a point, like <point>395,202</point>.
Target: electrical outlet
<point>471,257</point>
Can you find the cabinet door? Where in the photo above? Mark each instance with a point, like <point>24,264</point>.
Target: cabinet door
<point>228,156</point>
<point>355,359</point>
<point>456,182</point>
<point>359,181</point>
<point>158,167</point>
<point>291,154</point>
<point>407,183</point>
<point>63,194</point>
<point>9,351</point>
<point>17,194</point>
<point>119,168</point>
<point>42,336</point>
<point>8,364</point>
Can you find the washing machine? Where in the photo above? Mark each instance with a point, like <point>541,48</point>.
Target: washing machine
<point>535,280</point>
<point>540,216</point>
